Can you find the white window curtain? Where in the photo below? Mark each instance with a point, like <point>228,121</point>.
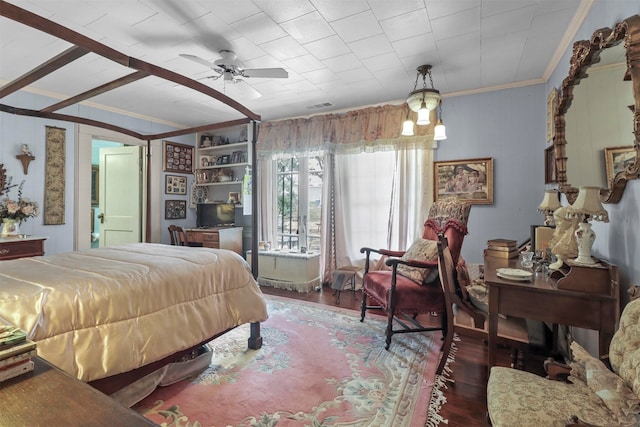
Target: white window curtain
<point>379,201</point>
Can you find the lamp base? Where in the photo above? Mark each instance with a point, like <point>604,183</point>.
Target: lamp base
<point>585,237</point>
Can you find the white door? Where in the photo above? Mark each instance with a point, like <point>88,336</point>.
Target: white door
<point>120,195</point>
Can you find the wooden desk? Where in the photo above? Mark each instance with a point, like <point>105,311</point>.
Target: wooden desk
<point>21,247</point>
<point>218,238</point>
<point>50,397</point>
<point>595,307</point>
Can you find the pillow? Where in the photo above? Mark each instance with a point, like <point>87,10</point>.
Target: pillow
<point>421,250</point>
<point>609,387</point>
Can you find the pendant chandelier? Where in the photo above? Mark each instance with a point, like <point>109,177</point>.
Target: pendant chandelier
<point>423,101</point>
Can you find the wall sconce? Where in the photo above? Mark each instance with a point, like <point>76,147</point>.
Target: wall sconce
<point>25,157</point>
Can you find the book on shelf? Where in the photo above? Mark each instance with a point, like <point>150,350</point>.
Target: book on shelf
<point>13,371</point>
<point>501,254</point>
<point>502,243</point>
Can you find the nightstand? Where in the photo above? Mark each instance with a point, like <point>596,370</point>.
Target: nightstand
<point>13,247</point>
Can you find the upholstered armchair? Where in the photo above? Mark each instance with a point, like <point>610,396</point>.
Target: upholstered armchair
<point>595,395</point>
<point>411,287</point>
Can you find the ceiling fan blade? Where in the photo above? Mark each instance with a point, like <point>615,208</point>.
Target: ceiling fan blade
<point>199,60</point>
<point>271,73</point>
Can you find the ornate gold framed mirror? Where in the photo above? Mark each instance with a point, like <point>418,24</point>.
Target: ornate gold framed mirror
<point>593,120</point>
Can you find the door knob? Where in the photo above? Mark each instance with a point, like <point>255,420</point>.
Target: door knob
<point>101,218</point>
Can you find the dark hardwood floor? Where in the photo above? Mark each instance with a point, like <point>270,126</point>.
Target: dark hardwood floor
<point>466,394</point>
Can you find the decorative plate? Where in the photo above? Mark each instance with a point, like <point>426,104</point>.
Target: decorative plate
<point>514,274</point>
<point>198,194</point>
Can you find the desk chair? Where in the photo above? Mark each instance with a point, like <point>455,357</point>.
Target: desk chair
<point>178,236</point>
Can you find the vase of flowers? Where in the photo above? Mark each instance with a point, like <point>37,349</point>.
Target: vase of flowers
<point>14,212</point>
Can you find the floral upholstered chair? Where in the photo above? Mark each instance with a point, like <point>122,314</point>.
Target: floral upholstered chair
<point>595,395</point>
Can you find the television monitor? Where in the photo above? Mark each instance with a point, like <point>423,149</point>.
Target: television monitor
<point>215,215</point>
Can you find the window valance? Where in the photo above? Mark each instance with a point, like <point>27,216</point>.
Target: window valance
<point>368,129</point>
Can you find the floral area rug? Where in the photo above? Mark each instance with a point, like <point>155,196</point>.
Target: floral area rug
<point>318,366</point>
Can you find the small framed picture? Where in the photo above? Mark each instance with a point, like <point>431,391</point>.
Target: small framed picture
<point>234,197</point>
<point>175,209</point>
<point>616,159</point>
<point>550,165</point>
<point>223,160</point>
<point>175,184</point>
<point>236,157</point>
<point>177,157</point>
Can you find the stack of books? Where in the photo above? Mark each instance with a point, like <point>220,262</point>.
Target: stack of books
<point>502,248</point>
<point>16,352</point>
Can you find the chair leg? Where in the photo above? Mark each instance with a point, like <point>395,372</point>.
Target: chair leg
<point>447,337</point>
<point>363,306</point>
<point>389,331</point>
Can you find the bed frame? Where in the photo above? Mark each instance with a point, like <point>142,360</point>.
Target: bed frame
<point>112,384</point>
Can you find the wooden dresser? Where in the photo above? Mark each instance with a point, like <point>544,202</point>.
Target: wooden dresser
<point>50,397</point>
<point>21,247</point>
<point>217,238</point>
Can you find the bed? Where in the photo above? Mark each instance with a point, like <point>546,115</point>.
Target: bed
<point>123,311</point>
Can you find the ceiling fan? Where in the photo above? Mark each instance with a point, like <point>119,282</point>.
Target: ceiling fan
<point>231,70</point>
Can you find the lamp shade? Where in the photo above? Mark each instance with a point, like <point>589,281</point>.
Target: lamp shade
<point>439,133</point>
<point>430,97</point>
<point>423,116</point>
<point>407,128</point>
<point>550,202</point>
<point>588,204</point>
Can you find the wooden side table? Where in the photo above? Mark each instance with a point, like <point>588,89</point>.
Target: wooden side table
<point>48,396</point>
<point>20,247</point>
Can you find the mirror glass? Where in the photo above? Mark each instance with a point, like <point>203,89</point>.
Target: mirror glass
<point>599,117</point>
<point>597,120</point>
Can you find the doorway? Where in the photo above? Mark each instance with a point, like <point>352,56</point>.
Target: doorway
<point>87,211</point>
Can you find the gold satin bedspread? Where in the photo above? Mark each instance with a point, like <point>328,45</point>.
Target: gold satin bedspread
<point>101,312</point>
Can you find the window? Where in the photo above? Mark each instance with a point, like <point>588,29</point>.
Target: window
<point>299,197</point>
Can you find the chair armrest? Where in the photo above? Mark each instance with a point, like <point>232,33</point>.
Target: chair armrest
<point>368,251</point>
<point>412,263</point>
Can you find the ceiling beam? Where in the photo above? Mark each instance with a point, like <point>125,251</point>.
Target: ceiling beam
<point>30,19</point>
<point>97,91</point>
<point>44,69</point>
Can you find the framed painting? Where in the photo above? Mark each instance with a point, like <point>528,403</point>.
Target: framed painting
<point>175,184</point>
<point>470,180</point>
<point>175,209</point>
<point>177,157</point>
<point>616,159</point>
<point>95,181</point>
<point>550,165</point>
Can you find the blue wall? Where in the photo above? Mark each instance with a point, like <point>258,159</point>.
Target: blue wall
<point>17,130</point>
<point>509,126</point>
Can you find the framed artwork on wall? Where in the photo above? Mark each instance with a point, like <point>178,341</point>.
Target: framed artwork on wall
<point>175,184</point>
<point>175,209</point>
<point>95,180</point>
<point>550,165</point>
<point>617,159</point>
<point>177,157</point>
<point>470,180</point>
